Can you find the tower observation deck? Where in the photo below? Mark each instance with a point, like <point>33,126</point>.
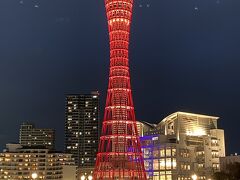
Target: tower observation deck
<point>119,155</point>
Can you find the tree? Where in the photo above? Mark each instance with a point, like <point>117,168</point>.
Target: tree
<point>221,176</point>
<point>232,172</point>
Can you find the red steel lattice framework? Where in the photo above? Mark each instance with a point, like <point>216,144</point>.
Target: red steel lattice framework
<point>119,156</point>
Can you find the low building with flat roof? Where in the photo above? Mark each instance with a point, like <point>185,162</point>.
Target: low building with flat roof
<point>22,162</point>
<point>31,136</point>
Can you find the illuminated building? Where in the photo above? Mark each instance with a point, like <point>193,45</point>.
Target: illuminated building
<point>183,145</point>
<point>144,128</point>
<point>82,129</point>
<point>31,136</point>
<point>69,169</point>
<point>21,162</point>
<point>119,154</point>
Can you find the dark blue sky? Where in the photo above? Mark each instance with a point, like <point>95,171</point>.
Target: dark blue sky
<point>184,56</point>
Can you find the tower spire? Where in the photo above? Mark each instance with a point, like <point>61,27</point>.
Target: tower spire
<point>119,155</point>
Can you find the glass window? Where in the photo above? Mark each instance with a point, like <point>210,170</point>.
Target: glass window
<point>169,177</point>
<point>147,164</point>
<point>168,163</point>
<point>146,153</point>
<point>162,177</point>
<point>162,153</point>
<point>168,152</point>
<point>174,152</point>
<point>162,164</point>
<point>155,164</point>
<point>156,176</point>
<point>155,153</point>
<point>215,166</point>
<point>174,163</point>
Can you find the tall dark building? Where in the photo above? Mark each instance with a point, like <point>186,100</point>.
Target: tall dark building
<point>31,136</point>
<point>82,129</point>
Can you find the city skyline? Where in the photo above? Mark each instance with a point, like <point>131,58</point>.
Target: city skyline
<point>191,51</point>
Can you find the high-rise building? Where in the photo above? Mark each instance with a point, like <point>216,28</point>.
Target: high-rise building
<point>119,154</point>
<point>182,145</point>
<point>21,162</point>
<point>31,136</point>
<point>82,128</point>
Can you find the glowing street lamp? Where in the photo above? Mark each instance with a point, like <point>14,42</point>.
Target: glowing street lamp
<point>194,177</point>
<point>83,177</point>
<point>34,175</point>
<point>90,177</point>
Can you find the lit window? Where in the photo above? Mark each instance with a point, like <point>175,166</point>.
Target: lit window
<point>173,152</point>
<point>174,163</point>
<point>215,154</point>
<point>155,153</point>
<point>215,166</point>
<point>168,163</point>
<point>155,164</point>
<point>162,152</point>
<point>162,164</point>
<point>168,152</point>
<point>200,165</point>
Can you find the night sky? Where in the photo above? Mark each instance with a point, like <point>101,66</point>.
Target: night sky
<point>185,56</point>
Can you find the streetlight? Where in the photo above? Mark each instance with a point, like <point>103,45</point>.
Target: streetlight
<point>90,177</point>
<point>34,175</point>
<point>194,177</point>
<point>82,177</point>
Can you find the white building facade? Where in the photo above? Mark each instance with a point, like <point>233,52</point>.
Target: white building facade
<point>182,145</point>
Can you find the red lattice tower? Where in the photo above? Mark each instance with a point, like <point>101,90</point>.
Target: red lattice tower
<point>119,156</point>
